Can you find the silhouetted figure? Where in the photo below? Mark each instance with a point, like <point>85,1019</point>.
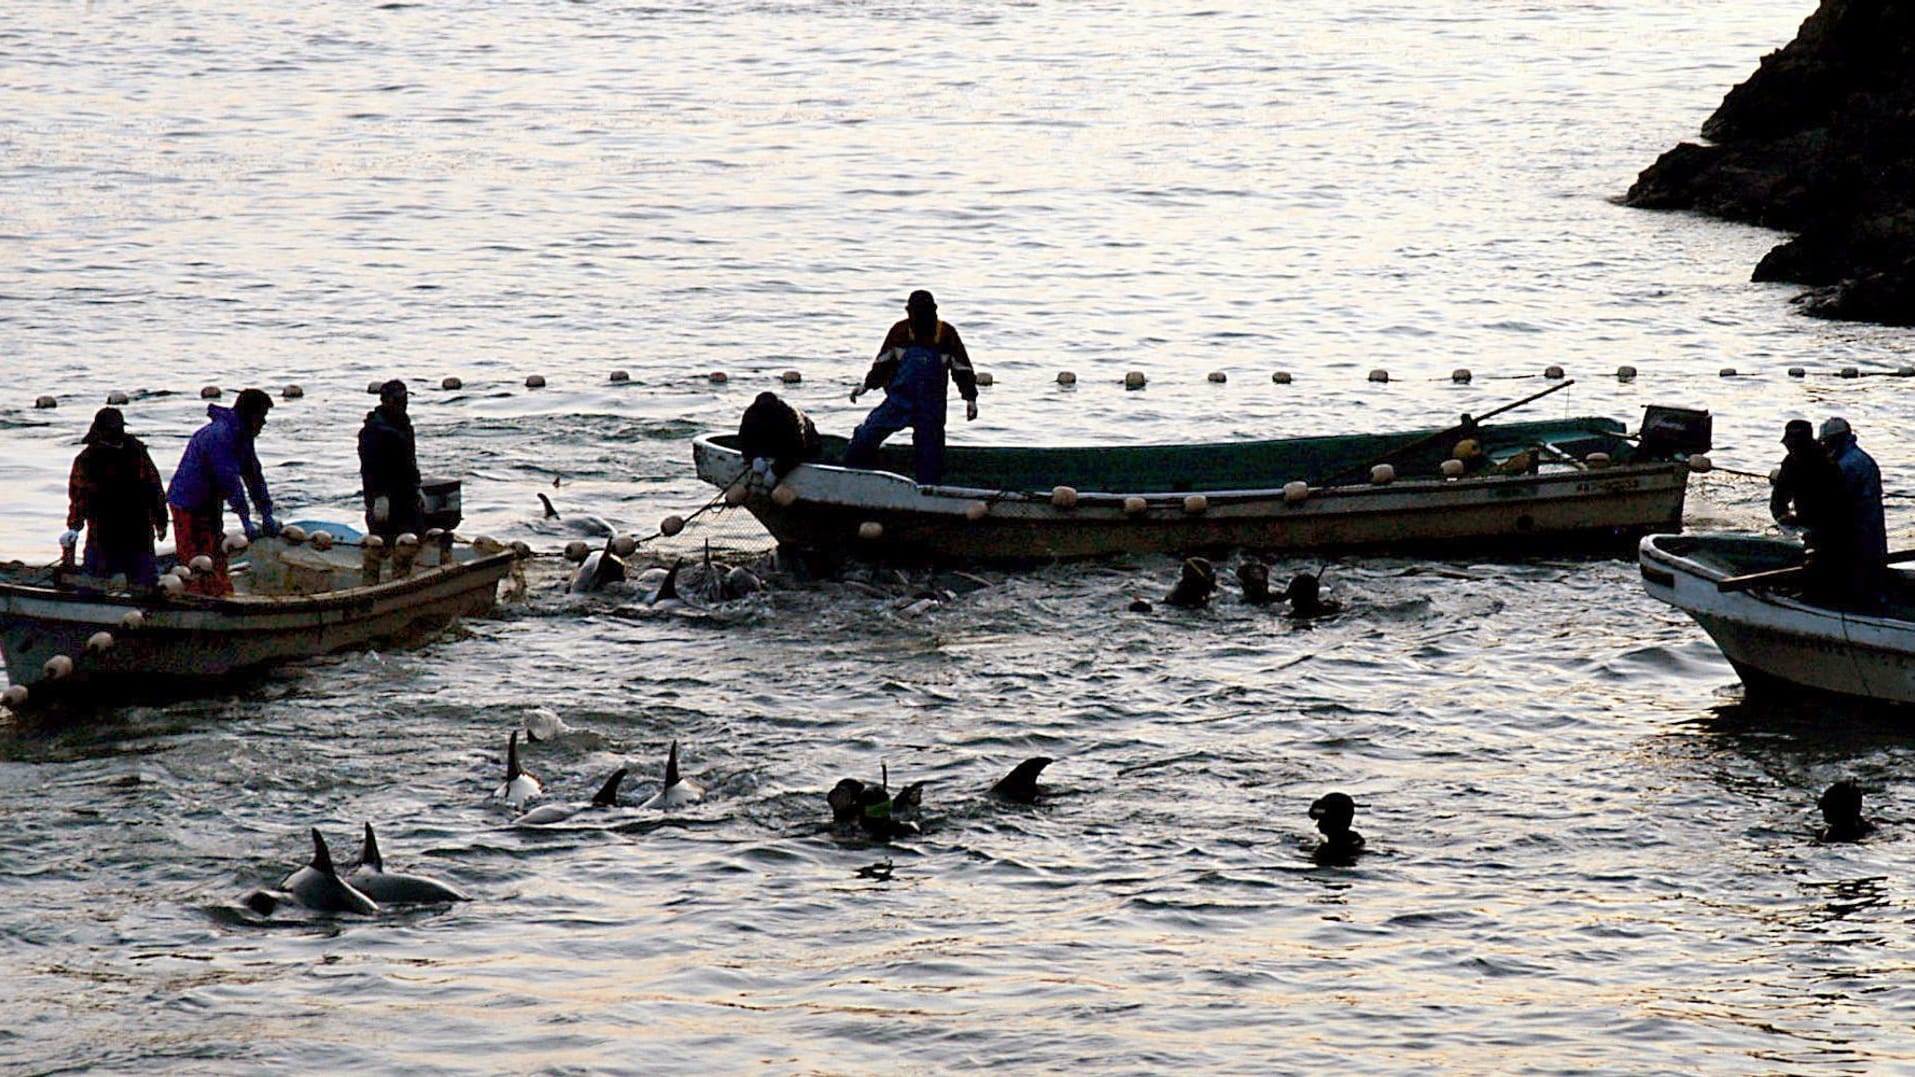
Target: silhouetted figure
<point>1860,566</point>
<point>1254,578</point>
<point>872,808</point>
<point>1305,595</point>
<point>778,434</point>
<point>1333,813</point>
<point>1841,806</point>
<point>918,360</point>
<point>114,492</point>
<point>1194,588</point>
<point>389,467</point>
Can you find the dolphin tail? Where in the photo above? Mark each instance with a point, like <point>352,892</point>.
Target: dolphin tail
<point>607,796</point>
<point>1020,784</point>
<point>671,766</point>
<point>369,853</point>
<point>322,856</point>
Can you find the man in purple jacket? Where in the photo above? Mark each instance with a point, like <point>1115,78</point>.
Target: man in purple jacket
<point>220,464</point>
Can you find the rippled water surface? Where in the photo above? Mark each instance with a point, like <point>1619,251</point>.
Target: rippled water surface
<point>1586,850</point>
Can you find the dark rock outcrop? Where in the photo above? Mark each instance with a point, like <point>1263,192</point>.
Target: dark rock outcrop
<point>1820,141</point>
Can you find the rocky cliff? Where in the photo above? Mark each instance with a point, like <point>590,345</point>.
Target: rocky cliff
<point>1820,141</point>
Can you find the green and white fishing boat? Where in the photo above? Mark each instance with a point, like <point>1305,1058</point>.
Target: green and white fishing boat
<point>1538,486</point>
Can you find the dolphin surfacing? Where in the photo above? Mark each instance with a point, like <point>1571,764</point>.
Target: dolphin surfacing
<point>371,878</point>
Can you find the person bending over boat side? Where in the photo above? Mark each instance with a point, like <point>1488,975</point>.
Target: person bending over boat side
<point>917,357</point>
<point>1860,566</point>
<point>115,493</point>
<point>220,464</point>
<point>775,437</point>
<point>1807,495</point>
<point>389,467</point>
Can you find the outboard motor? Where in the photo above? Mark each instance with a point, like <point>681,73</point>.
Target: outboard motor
<point>1668,432</point>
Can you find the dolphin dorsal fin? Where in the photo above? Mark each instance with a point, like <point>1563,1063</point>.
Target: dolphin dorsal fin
<point>669,588</point>
<point>322,856</point>
<point>607,795</point>
<point>512,769</point>
<point>550,512</point>
<point>884,778</point>
<point>671,766</point>
<point>369,853</point>
<point>1020,784</point>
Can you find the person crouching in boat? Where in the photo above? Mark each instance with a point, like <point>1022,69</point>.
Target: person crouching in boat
<point>917,356</point>
<point>114,492</point>
<point>220,464</point>
<point>389,467</point>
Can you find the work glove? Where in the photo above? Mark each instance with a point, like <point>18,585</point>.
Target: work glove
<point>267,526</point>
<point>246,525</point>
<point>970,410</point>
<point>381,509</point>
<point>856,393</point>
<point>69,538</point>
<point>159,531</point>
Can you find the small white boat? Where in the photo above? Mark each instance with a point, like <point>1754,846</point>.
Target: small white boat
<point>64,634</point>
<point>1745,592</point>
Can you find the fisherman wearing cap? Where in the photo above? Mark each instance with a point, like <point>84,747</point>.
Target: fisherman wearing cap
<point>220,464</point>
<point>114,492</point>
<point>1861,565</point>
<point>917,357</point>
<point>1805,485</point>
<point>389,467</point>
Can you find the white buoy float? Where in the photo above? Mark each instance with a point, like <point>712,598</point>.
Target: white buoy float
<point>323,540</point>
<point>1851,372</point>
<point>291,392</point>
<point>1382,475</point>
<point>976,510</point>
<point>133,620</point>
<point>1452,468</point>
<point>783,496</point>
<point>234,542</point>
<point>450,383</point>
<point>1625,372</point>
<point>1281,377</point>
<point>576,551</point>
<point>1218,377</point>
<point>1135,506</point>
<point>293,534</point>
<point>521,549</point>
<point>201,565</point>
<point>1065,377</point>
<point>1596,461</point>
<point>1701,464</point>
<point>1296,492</point>
<point>791,377</point>
<point>871,531</point>
<point>985,379</point>
<point>671,525</point>
<point>1379,375</point>
<point>625,545</point>
<point>209,392</point>
<point>1063,497</point>
<point>46,402</point>
<point>736,493</point>
<point>1196,504</point>
<point>99,642</point>
<point>172,585</point>
<point>116,399</point>
<point>1798,372</point>
<point>535,381</point>
<point>1726,372</point>
<point>1135,380</point>
<point>1461,375</point>
<point>718,377</point>
<point>1553,372</point>
<point>15,696</point>
<point>57,667</point>
<point>621,375</point>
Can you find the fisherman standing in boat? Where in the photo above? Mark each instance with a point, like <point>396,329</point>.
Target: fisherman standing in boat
<point>389,467</point>
<point>1807,494</point>
<point>220,464</point>
<point>1863,563</point>
<point>115,493</point>
<point>917,356</point>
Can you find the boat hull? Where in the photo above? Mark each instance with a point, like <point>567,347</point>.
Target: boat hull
<point>1777,640</point>
<point>196,638</point>
<point>828,509</point>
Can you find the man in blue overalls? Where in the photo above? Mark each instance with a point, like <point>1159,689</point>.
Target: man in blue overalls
<point>918,355</point>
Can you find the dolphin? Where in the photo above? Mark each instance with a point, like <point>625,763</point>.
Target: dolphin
<point>666,597</point>
<point>599,568</point>
<point>677,792</point>
<point>1020,785</point>
<point>547,814</point>
<point>518,786</point>
<point>318,887</point>
<point>545,724</point>
<point>372,879</point>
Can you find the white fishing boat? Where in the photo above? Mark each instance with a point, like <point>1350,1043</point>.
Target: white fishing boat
<point>62,633</point>
<point>1746,591</point>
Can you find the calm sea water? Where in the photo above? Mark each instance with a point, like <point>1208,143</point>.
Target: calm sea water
<point>1587,852</point>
